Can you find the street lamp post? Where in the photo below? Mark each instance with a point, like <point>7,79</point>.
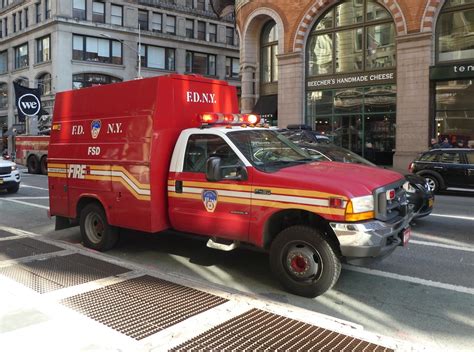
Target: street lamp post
<point>131,47</point>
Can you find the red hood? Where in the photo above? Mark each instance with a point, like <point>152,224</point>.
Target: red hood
<point>351,180</point>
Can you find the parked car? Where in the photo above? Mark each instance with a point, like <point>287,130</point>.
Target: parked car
<point>418,193</point>
<point>9,176</point>
<point>446,169</point>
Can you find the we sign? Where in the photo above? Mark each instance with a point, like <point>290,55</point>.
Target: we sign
<point>29,104</point>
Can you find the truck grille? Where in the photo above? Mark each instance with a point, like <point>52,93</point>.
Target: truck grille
<point>5,170</point>
<point>386,210</point>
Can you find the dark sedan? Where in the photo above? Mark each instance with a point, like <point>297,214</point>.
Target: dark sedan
<point>446,169</point>
<point>416,189</point>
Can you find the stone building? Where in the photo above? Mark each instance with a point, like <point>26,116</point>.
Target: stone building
<point>380,77</point>
<point>65,44</point>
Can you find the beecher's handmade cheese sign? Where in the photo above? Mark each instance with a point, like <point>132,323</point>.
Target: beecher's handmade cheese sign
<point>352,80</point>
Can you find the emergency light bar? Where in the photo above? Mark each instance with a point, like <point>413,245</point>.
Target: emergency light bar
<point>213,118</point>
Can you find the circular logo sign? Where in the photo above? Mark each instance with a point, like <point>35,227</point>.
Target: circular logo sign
<point>29,104</point>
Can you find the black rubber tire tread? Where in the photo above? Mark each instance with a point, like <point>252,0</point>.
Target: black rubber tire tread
<point>327,250</point>
<point>44,165</point>
<point>33,164</point>
<point>13,189</point>
<point>111,233</point>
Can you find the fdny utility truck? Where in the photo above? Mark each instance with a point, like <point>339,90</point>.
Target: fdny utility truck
<point>172,152</point>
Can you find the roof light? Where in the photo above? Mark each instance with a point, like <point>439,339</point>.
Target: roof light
<point>228,119</point>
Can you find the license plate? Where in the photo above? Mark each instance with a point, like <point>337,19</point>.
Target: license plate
<point>406,236</point>
<point>430,202</point>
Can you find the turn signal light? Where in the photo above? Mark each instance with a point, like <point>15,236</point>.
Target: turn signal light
<point>351,216</point>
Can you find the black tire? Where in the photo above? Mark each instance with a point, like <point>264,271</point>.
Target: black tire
<point>13,189</point>
<point>304,261</point>
<point>44,165</point>
<point>433,182</point>
<point>95,230</point>
<point>33,164</point>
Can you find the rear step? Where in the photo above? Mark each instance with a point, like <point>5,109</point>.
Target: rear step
<point>222,245</point>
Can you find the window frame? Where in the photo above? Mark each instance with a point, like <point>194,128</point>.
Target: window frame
<point>84,57</point>
<point>112,16</point>
<point>144,24</point>
<point>144,58</point>
<point>18,58</point>
<point>232,59</point>
<point>193,53</point>
<point>98,17</point>
<point>40,49</point>
<point>78,13</point>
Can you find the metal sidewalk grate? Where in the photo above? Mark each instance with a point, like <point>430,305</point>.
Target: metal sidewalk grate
<point>59,272</point>
<point>24,247</point>
<point>4,234</point>
<point>260,330</point>
<point>142,306</point>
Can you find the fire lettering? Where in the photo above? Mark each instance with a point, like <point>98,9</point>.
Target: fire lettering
<point>76,171</point>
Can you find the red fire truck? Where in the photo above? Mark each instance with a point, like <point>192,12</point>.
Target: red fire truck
<point>32,151</point>
<point>172,152</point>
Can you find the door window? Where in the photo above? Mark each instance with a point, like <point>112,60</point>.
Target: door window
<point>470,157</point>
<point>450,158</point>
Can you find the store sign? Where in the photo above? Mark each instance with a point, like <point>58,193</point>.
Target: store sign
<point>458,71</point>
<point>352,80</point>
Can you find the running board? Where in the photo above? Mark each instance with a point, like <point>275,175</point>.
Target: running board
<point>459,189</point>
<point>222,246</point>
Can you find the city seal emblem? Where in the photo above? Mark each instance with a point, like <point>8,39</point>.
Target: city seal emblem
<point>95,128</point>
<point>209,198</point>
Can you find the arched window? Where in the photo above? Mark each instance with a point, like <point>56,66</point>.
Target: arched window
<point>455,31</point>
<point>268,52</point>
<point>3,95</point>
<point>84,80</point>
<point>356,35</point>
<point>44,83</point>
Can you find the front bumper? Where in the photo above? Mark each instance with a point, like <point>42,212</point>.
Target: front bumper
<point>9,180</point>
<point>366,242</point>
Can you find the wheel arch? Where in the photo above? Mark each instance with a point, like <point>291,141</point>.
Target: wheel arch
<point>85,200</point>
<point>283,219</point>
<point>440,179</point>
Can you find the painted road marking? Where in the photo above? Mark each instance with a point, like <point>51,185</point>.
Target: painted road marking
<point>454,217</point>
<point>440,245</point>
<point>26,186</point>
<point>19,198</point>
<point>26,203</point>
<point>415,280</point>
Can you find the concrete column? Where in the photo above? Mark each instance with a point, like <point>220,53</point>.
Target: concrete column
<point>290,88</point>
<point>414,56</point>
<point>248,71</point>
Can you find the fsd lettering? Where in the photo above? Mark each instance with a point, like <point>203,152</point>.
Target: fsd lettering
<point>93,151</point>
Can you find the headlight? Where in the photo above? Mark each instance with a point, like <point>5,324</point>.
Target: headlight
<point>14,167</point>
<point>409,188</point>
<point>362,204</point>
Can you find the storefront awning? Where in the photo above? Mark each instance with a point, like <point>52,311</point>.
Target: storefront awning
<point>266,105</point>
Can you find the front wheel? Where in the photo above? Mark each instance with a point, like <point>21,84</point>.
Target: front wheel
<point>433,183</point>
<point>304,261</point>
<point>95,230</point>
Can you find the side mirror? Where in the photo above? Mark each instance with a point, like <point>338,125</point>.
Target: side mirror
<point>213,169</point>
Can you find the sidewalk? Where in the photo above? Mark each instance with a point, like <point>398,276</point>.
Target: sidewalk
<point>61,297</point>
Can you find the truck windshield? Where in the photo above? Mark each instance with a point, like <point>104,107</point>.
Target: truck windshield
<point>268,150</point>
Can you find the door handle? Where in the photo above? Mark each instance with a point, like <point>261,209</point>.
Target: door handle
<point>179,186</point>
<point>438,167</point>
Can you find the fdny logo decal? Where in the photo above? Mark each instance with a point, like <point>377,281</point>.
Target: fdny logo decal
<point>209,198</point>
<point>95,128</point>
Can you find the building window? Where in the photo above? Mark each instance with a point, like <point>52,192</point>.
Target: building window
<point>98,11</point>
<point>116,15</point>
<point>352,37</point>
<point>38,12</point>
<point>157,22</point>
<point>229,35</point>
<point>79,9</point>
<point>232,67</point>
<point>85,80</point>
<point>190,28</point>
<point>43,52</point>
<point>201,5</point>
<point>143,20</point>
<point>21,56</point>
<point>20,20</point>
<point>190,4</point>
<point>3,95</point>
<point>47,9</point>
<point>212,32</point>
<point>1,28</point>
<point>5,22</point>
<point>454,31</point>
<point>97,50</point>
<point>201,30</point>
<point>268,52</point>
<point>44,83</point>
<point>3,61</point>
<point>200,63</point>
<point>171,24</point>
<point>26,18</point>
<point>14,22</point>
<point>158,57</point>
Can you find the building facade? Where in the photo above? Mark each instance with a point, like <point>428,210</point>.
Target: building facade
<point>59,45</point>
<point>380,77</point>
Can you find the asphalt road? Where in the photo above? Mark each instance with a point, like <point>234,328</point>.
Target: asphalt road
<point>423,293</point>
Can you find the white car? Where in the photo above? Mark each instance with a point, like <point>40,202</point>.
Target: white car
<point>9,176</point>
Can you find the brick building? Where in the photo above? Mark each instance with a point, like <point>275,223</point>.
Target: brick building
<point>380,77</point>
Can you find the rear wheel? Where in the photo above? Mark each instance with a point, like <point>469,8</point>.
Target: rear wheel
<point>304,262</point>
<point>33,164</point>
<point>96,232</point>
<point>433,183</point>
<point>44,165</point>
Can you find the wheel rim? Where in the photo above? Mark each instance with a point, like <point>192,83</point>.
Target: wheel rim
<point>431,183</point>
<point>302,262</point>
<point>95,227</point>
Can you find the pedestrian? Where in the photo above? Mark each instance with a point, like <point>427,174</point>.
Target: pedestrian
<point>434,143</point>
<point>445,143</point>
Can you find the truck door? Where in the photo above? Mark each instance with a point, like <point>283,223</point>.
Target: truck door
<point>58,189</point>
<point>220,209</point>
